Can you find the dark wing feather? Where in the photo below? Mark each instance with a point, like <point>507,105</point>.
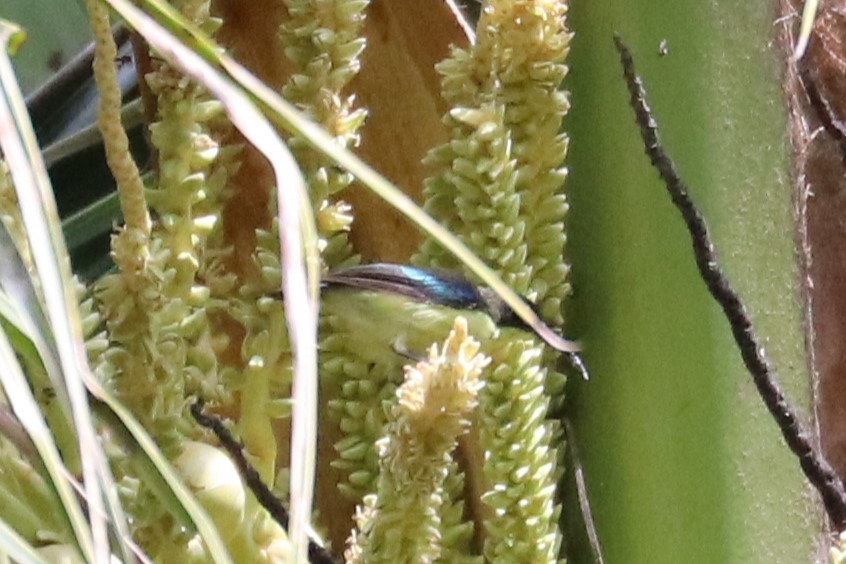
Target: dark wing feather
<point>427,285</point>
<point>440,287</point>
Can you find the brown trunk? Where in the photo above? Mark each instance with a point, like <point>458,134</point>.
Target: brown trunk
<point>816,95</point>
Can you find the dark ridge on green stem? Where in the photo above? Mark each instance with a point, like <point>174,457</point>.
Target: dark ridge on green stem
<point>814,466</point>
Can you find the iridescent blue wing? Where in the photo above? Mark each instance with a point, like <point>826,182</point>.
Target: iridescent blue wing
<point>426,285</point>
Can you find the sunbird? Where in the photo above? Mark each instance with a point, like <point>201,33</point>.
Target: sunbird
<point>411,307</point>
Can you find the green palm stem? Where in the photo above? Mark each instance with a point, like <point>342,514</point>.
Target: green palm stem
<point>682,461</point>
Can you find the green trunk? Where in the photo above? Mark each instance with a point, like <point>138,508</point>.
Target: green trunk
<point>683,462</point>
